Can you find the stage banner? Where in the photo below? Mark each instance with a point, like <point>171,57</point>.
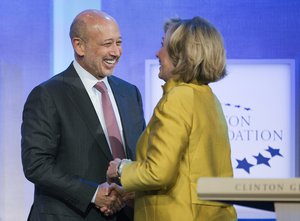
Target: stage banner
<point>258,99</point>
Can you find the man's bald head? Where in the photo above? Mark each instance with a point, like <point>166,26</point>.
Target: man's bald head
<point>88,18</point>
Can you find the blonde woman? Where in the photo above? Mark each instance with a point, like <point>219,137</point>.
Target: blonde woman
<point>187,136</point>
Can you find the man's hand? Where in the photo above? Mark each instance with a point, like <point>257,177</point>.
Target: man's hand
<point>109,198</point>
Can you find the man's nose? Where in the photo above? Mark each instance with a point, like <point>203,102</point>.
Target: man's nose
<point>116,50</point>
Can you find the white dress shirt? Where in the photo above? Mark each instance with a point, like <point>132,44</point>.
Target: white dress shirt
<point>89,82</point>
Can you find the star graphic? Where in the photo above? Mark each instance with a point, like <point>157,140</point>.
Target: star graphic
<point>262,160</point>
<point>274,152</point>
<point>243,164</point>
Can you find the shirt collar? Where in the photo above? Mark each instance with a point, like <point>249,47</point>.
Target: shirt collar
<point>171,83</point>
<point>87,78</point>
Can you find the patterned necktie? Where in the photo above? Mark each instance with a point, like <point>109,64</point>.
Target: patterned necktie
<point>111,123</point>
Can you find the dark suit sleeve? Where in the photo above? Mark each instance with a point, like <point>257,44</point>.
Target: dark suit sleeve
<point>40,147</point>
<point>140,105</point>
<point>133,121</point>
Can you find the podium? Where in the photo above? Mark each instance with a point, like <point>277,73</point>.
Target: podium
<point>279,195</point>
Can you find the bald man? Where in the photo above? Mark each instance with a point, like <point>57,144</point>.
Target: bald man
<point>65,142</point>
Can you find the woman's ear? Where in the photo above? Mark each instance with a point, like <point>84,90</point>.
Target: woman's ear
<point>79,46</point>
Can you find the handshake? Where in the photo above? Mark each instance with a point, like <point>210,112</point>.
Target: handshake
<point>111,197</point>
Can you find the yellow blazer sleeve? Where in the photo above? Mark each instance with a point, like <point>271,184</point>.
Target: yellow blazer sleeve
<point>163,143</point>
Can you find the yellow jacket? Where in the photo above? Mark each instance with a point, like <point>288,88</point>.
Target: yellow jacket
<point>186,138</point>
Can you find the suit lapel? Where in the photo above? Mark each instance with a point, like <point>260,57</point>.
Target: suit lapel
<point>119,93</point>
<point>83,104</point>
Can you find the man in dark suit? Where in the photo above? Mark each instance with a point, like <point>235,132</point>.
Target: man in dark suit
<point>65,144</point>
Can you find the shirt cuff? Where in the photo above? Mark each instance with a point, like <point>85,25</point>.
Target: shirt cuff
<point>94,197</point>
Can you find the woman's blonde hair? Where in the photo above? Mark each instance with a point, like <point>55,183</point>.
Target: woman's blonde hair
<point>196,50</point>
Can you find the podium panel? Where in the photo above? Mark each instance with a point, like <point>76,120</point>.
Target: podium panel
<point>280,195</point>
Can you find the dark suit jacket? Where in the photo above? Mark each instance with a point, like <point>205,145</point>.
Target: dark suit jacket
<point>64,150</point>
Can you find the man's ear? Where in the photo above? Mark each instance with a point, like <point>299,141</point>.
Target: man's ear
<point>79,46</point>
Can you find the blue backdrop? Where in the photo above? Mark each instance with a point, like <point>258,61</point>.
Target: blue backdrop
<point>252,29</point>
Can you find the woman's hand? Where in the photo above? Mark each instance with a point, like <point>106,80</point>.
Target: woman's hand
<point>112,171</point>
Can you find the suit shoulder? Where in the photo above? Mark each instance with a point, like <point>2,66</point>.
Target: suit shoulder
<point>55,83</point>
<point>120,81</point>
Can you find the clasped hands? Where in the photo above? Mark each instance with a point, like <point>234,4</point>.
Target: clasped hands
<point>110,196</point>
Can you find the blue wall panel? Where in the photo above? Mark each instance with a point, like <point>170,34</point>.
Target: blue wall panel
<point>25,61</point>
